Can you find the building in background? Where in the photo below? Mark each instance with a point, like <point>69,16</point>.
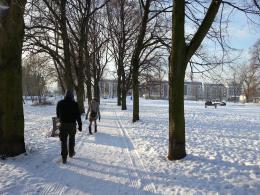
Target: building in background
<point>108,88</point>
<point>154,89</point>
<point>234,90</point>
<point>214,91</point>
<point>193,90</point>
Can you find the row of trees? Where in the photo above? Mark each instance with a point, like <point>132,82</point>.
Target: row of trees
<point>92,34</point>
<point>82,37</point>
<point>250,74</point>
<point>35,73</point>
<point>247,76</point>
<point>72,35</point>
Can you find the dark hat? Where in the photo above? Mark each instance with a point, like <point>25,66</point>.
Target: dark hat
<point>69,95</point>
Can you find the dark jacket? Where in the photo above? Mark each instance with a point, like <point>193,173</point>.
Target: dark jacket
<point>67,111</point>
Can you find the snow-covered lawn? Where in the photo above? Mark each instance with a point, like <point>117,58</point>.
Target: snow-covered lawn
<point>125,158</point>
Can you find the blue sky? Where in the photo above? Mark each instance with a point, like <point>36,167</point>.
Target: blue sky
<point>243,34</point>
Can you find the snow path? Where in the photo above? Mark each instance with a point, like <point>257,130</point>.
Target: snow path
<point>105,163</point>
<point>130,158</point>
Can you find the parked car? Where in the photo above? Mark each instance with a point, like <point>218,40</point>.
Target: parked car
<point>210,103</point>
<point>220,103</point>
<point>223,104</point>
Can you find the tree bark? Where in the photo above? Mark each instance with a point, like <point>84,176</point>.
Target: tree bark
<point>66,47</point>
<point>176,85</point>
<point>123,91</point>
<point>119,92</point>
<point>88,72</point>
<point>89,90</point>
<point>135,83</point>
<point>11,105</point>
<point>80,90</point>
<point>96,90</point>
<point>80,96</point>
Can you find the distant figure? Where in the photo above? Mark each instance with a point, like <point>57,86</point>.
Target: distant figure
<point>68,113</point>
<point>93,114</point>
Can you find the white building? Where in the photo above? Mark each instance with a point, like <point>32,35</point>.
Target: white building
<point>234,90</point>
<point>193,90</point>
<point>108,88</point>
<point>155,90</point>
<point>214,91</point>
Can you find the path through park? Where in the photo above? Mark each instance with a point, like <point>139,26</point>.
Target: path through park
<point>105,163</point>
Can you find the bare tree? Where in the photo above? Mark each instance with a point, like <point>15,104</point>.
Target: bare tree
<point>255,54</point>
<point>61,30</point>
<point>183,48</point>
<point>235,83</point>
<point>145,43</point>
<point>123,20</point>
<point>37,72</point>
<point>99,52</point>
<point>250,75</point>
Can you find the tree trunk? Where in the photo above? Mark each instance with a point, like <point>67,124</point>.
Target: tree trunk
<point>180,56</point>
<point>124,92</point>
<point>89,90</point>
<point>135,95</point>
<point>96,90</point>
<point>66,46</point>
<point>11,105</point>
<point>88,74</point>
<point>119,92</point>
<point>80,97</point>
<point>86,53</point>
<point>80,72</point>
<point>176,85</point>
<point>136,59</point>
<point>176,117</point>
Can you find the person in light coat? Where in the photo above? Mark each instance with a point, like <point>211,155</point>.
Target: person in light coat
<point>93,114</point>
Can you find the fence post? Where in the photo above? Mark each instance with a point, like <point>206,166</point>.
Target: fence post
<point>55,127</point>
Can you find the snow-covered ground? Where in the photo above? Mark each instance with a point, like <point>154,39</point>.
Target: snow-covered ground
<point>125,158</point>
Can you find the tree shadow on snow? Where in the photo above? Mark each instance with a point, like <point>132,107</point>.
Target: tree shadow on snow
<point>113,140</point>
<point>87,177</point>
<point>116,173</point>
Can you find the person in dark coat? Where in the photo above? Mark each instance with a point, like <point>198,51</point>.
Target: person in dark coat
<point>68,112</point>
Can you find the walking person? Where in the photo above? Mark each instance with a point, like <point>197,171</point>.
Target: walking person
<point>93,114</point>
<point>68,112</point>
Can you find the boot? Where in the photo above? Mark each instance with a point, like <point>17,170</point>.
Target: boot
<point>64,159</point>
<point>95,128</point>
<point>72,154</point>
<point>89,129</point>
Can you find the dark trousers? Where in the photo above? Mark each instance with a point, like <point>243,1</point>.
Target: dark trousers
<point>67,130</point>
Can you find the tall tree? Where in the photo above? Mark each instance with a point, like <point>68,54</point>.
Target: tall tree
<point>255,54</point>
<point>66,44</point>
<point>146,43</point>
<point>123,20</point>
<point>11,106</point>
<point>250,81</point>
<point>135,60</point>
<point>180,56</point>
<point>183,48</point>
